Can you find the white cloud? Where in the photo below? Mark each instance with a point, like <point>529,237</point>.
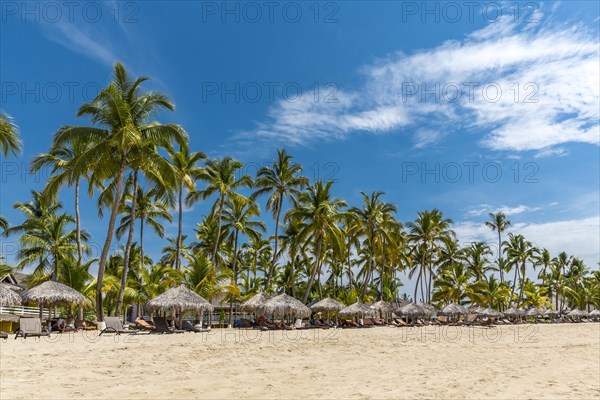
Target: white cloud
<point>551,152</point>
<point>484,209</point>
<point>578,237</point>
<point>548,76</point>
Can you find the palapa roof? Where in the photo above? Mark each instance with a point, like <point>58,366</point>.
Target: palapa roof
<point>595,313</point>
<point>254,302</point>
<point>533,312</point>
<point>476,310</point>
<point>429,309</point>
<point>453,309</point>
<point>411,310</point>
<point>550,312</point>
<point>577,313</point>
<point>52,292</point>
<point>8,297</point>
<point>491,313</point>
<point>383,307</point>
<point>180,298</point>
<point>327,305</point>
<point>284,305</point>
<point>514,312</point>
<point>357,309</point>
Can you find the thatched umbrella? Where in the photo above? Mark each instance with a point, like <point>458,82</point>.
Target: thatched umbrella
<point>383,307</point>
<point>8,297</point>
<point>327,305</point>
<point>533,312</point>
<point>550,312</point>
<point>594,314</point>
<point>357,309</point>
<point>180,299</point>
<point>476,310</point>
<point>454,309</point>
<point>577,313</point>
<point>284,305</point>
<point>53,293</point>
<point>430,310</point>
<point>254,302</point>
<point>490,313</point>
<point>411,310</point>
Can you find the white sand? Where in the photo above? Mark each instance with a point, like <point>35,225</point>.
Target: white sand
<point>525,362</point>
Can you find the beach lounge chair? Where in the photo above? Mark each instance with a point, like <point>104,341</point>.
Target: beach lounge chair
<point>114,325</point>
<point>143,325</point>
<point>3,335</point>
<point>187,326</point>
<point>163,327</point>
<point>29,326</point>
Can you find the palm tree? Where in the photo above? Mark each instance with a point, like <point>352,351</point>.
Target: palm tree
<point>238,215</point>
<point>122,113</point>
<point>9,140</point>
<point>427,233</point>
<point>519,251</point>
<point>61,160</point>
<point>171,252</point>
<point>320,215</point>
<point>498,223</point>
<point>292,243</point>
<point>281,180</point>
<point>187,172</point>
<point>220,175</point>
<point>475,258</point>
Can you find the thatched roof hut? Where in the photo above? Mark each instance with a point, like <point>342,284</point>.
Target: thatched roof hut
<point>513,312</point>
<point>383,307</point>
<point>284,305</point>
<point>357,309</point>
<point>533,312</point>
<point>454,309</point>
<point>8,297</point>
<point>180,298</point>
<point>254,302</point>
<point>550,312</point>
<point>594,314</point>
<point>577,313</point>
<point>327,305</point>
<point>411,310</point>
<point>491,313</point>
<point>52,292</point>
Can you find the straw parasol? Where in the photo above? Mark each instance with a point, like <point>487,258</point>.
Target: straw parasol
<point>285,305</point>
<point>550,312</point>
<point>411,310</point>
<point>533,312</point>
<point>594,314</point>
<point>383,307</point>
<point>256,301</point>
<point>52,292</point>
<point>180,298</point>
<point>490,313</point>
<point>476,310</point>
<point>8,297</point>
<point>454,309</point>
<point>357,309</point>
<point>430,310</point>
<point>327,305</point>
<point>577,313</point>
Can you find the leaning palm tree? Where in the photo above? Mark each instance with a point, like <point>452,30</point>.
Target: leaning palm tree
<point>185,164</point>
<point>122,113</point>
<point>221,177</point>
<point>499,223</point>
<point>320,214</point>
<point>282,179</point>
<point>9,140</point>
<point>238,217</point>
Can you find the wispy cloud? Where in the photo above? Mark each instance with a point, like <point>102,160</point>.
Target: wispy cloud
<point>548,76</point>
<point>484,209</point>
<point>551,152</point>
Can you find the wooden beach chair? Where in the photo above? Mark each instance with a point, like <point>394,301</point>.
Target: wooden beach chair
<point>29,326</point>
<point>187,326</point>
<point>114,325</point>
<point>162,326</point>
<point>143,325</point>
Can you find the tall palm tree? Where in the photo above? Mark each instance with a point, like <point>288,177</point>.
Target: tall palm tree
<point>187,171</point>
<point>282,179</point>
<point>320,214</point>
<point>171,252</point>
<point>122,113</point>
<point>292,243</point>
<point>9,140</point>
<point>238,217</point>
<point>475,259</point>
<point>221,177</point>
<point>519,252</point>
<point>499,223</point>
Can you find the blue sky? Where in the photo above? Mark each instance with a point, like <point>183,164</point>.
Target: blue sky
<point>347,87</point>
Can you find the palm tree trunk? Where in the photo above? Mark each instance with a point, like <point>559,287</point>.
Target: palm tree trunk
<point>109,237</point>
<point>234,267</point>
<point>417,285</point>
<point>521,287</point>
<point>500,264</point>
<point>381,281</point>
<point>78,224</point>
<point>216,245</point>
<point>179,228</point>
<point>293,277</point>
<point>128,245</point>
<point>512,292</point>
<point>314,271</point>
<point>272,266</point>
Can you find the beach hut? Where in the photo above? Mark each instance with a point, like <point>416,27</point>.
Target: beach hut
<point>284,305</point>
<point>454,309</point>
<point>577,314</point>
<point>180,299</point>
<point>328,306</point>
<point>384,308</point>
<point>254,302</point>
<point>357,309</point>
<point>411,310</point>
<point>8,297</point>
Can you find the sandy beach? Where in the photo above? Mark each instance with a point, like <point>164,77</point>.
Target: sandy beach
<point>519,362</point>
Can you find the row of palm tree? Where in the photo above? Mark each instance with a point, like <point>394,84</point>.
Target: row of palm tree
<point>144,172</point>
